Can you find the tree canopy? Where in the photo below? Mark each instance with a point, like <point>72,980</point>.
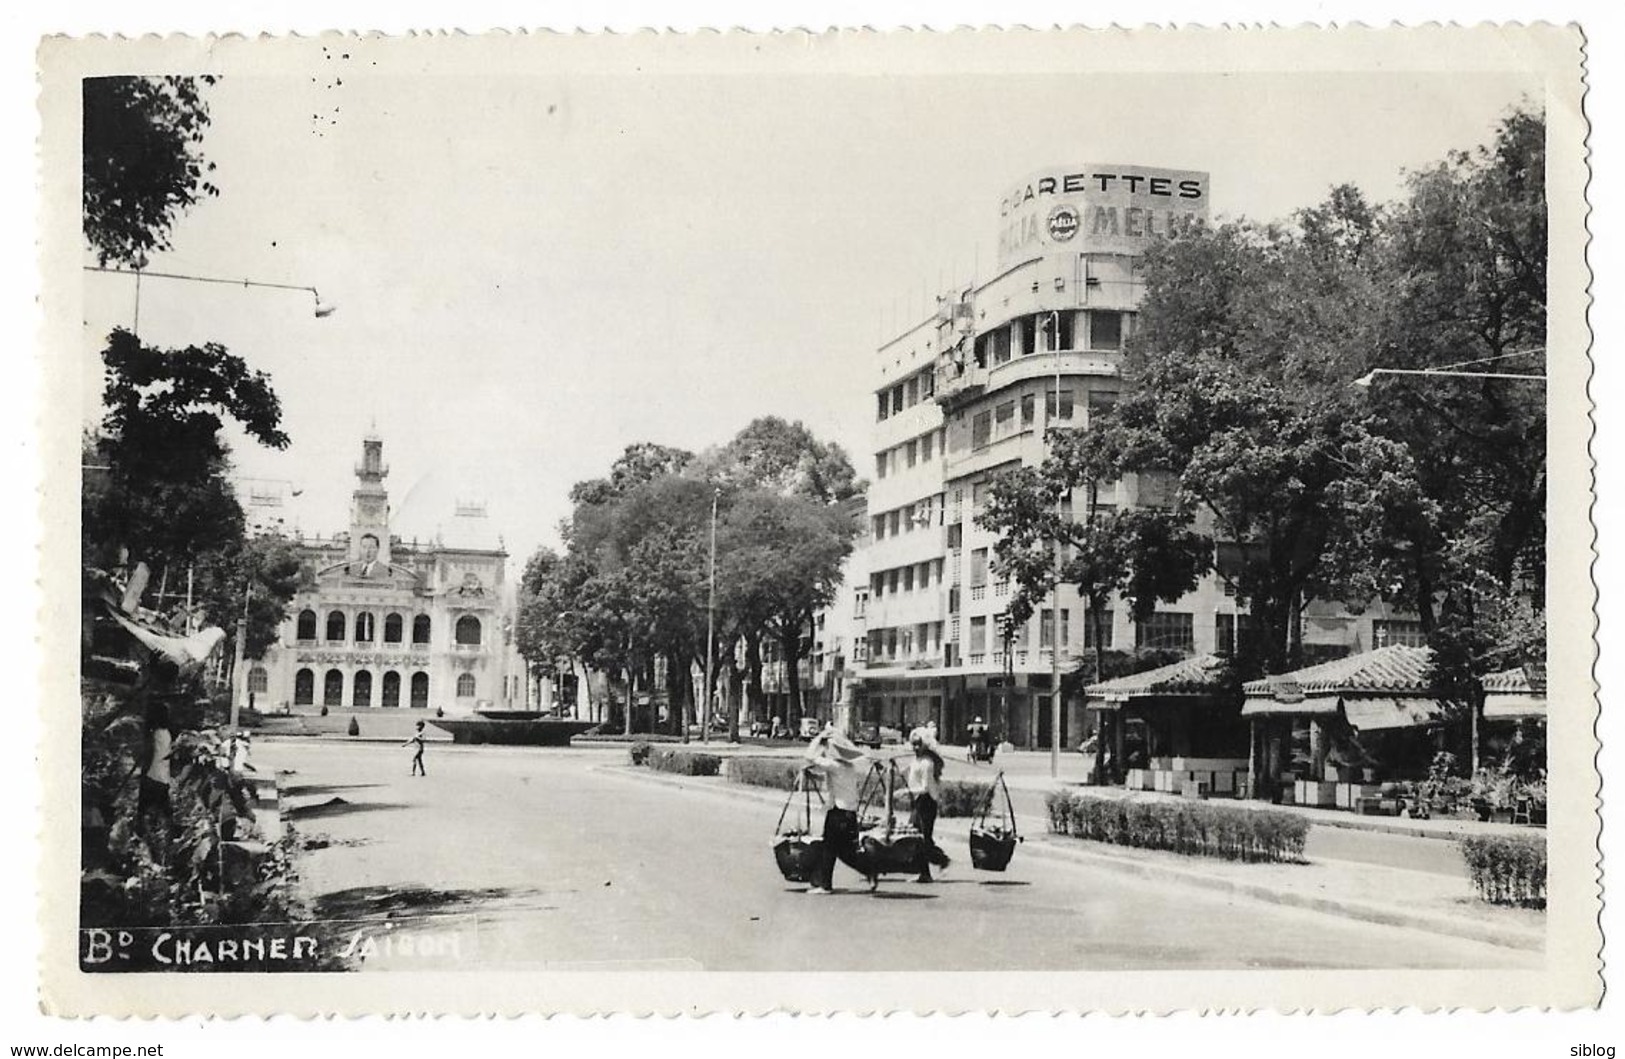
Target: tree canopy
<point>143,162</point>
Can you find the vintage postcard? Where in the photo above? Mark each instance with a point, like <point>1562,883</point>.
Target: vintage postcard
<point>1008,521</point>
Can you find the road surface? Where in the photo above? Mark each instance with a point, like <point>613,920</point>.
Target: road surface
<point>537,858</point>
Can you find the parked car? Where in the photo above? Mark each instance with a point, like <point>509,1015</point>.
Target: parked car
<point>876,736</point>
<point>810,726</point>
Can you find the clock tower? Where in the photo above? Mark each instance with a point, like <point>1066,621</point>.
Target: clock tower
<point>369,505</point>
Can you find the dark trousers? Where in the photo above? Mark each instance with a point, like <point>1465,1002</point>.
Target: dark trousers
<point>840,841</point>
<point>924,819</point>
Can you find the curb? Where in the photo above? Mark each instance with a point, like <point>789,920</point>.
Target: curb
<point>1045,845</point>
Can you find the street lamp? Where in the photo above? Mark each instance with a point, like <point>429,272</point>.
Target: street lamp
<point>1448,370</point>
<point>710,628</point>
<point>322,311</point>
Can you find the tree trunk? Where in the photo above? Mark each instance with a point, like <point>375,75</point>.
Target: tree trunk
<point>678,677</point>
<point>791,644</point>
<point>631,695</point>
<point>735,692</point>
<point>753,676</point>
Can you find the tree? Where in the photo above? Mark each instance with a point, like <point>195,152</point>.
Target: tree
<point>255,578</point>
<point>143,164</point>
<point>782,457</point>
<point>160,463</point>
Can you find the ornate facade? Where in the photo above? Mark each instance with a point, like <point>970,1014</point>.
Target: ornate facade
<point>390,624</point>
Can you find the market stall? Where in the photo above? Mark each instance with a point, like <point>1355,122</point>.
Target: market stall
<point>1176,728</point>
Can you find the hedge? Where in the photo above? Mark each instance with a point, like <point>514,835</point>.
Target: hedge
<point>1507,869</point>
<point>763,771</point>
<point>1205,829</point>
<point>683,762</point>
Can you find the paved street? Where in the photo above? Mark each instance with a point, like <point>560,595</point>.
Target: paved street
<point>563,864</point>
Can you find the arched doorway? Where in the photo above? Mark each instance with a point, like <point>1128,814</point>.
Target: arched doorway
<point>335,626</point>
<point>304,686</point>
<point>420,691</point>
<point>392,628</point>
<point>420,629</point>
<point>392,689</point>
<point>362,695</point>
<point>333,688</point>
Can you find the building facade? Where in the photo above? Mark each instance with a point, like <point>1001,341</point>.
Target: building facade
<point>389,624</point>
<point>968,394</point>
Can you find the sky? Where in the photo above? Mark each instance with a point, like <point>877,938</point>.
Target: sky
<point>534,269</point>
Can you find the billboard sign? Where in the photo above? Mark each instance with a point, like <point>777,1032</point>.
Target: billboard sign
<point>1107,209</point>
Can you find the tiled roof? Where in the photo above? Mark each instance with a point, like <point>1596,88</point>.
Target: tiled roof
<point>1199,673</point>
<point>1522,680</point>
<point>1398,668</point>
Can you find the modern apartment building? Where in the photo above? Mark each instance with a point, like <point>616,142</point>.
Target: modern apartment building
<point>969,393</point>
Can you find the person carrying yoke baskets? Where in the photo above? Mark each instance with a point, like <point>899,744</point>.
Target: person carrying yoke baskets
<point>837,759</point>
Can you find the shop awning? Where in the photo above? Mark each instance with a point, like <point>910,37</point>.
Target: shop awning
<point>1375,714</point>
<point>1526,707</point>
<point>1269,706</point>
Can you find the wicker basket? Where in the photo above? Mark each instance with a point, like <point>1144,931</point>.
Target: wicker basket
<point>993,838</point>
<point>798,856</point>
<point>904,852</point>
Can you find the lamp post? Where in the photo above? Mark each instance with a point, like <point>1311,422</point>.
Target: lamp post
<point>322,312</point>
<point>1365,381</point>
<point>1055,610</point>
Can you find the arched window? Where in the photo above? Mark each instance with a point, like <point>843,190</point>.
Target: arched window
<point>420,691</point>
<point>307,625</point>
<point>392,689</point>
<point>258,682</point>
<point>333,688</point>
<point>304,688</point>
<point>465,686</point>
<point>335,626</point>
<point>364,623</point>
<point>392,628</point>
<point>468,630</point>
<point>420,629</point>
<point>363,689</point>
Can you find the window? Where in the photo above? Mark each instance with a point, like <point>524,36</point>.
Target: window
<point>364,627</point>
<point>928,384</point>
<point>258,681</point>
<point>1224,631</point>
<point>333,688</point>
<point>880,527</point>
<point>911,392</point>
<point>894,522</point>
<point>1105,330</point>
<point>877,584</point>
<point>1170,630</point>
<point>335,627</point>
<point>420,691</point>
<point>392,628</point>
<point>896,398</point>
<point>993,348</point>
<point>1004,418</point>
<point>892,580</point>
<point>1021,636</point>
<point>1388,633</point>
<point>420,629</point>
<point>392,690</point>
<point>307,625</point>
<point>978,635</point>
<point>908,578</point>
<point>468,630</point>
<point>925,447</point>
<point>981,429</point>
<point>881,461</point>
<point>465,686</point>
<point>1028,409</point>
<point>978,567</point>
<point>1105,617</point>
<point>304,688</point>
<point>883,407</point>
<point>1101,402</point>
<point>1049,404</point>
<point>911,453</point>
<point>363,689</point>
<point>1026,329</point>
<point>860,602</point>
<point>1046,628</point>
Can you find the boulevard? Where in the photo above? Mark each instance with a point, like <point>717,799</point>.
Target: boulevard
<point>561,859</point>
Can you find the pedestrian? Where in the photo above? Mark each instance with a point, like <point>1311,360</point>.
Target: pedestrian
<point>925,785</point>
<point>837,758</point>
<point>416,742</point>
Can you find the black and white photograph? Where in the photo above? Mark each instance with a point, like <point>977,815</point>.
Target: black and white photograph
<point>820,521</point>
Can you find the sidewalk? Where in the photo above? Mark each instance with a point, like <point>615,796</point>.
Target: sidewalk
<point>1353,890</point>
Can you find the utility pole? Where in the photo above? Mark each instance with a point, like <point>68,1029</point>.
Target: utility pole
<point>1055,611</point>
<point>710,626</point>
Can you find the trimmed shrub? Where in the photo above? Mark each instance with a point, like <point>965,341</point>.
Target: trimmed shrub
<point>762,771</point>
<point>355,727</point>
<point>1202,829</point>
<point>618,737</point>
<point>639,752</point>
<point>684,762</point>
<point>964,797</point>
<point>1507,869</point>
